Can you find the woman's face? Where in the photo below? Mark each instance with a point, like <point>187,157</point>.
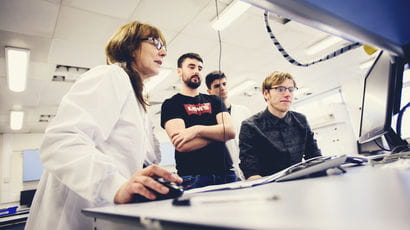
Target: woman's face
<point>148,58</point>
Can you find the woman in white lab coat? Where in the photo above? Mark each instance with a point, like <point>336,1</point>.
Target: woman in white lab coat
<point>94,149</point>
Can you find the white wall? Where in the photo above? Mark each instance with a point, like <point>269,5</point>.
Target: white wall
<point>353,93</point>
<point>330,120</point>
<point>12,147</point>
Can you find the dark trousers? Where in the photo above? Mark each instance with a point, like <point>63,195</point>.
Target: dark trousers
<point>197,181</point>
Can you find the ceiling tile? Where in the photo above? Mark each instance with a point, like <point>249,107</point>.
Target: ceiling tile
<point>32,17</point>
<point>76,54</point>
<point>28,98</point>
<point>119,8</point>
<point>172,15</point>
<point>85,27</point>
<point>185,44</point>
<point>39,46</point>
<point>50,95</point>
<point>41,71</point>
<point>200,27</point>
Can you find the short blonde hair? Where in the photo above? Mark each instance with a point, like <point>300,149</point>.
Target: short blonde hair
<point>276,78</point>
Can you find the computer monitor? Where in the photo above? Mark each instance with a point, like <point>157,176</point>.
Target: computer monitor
<point>32,167</point>
<point>26,197</point>
<point>381,100</point>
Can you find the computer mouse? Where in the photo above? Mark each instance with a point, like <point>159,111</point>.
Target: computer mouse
<point>356,160</point>
<point>175,190</point>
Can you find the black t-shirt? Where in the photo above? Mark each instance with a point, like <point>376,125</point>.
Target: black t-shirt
<point>198,110</point>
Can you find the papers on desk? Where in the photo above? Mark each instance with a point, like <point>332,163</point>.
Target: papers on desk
<point>305,168</point>
<point>233,185</point>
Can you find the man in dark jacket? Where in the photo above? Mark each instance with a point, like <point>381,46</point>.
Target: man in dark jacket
<point>275,138</point>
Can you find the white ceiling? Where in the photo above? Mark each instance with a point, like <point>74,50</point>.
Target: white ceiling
<point>74,33</point>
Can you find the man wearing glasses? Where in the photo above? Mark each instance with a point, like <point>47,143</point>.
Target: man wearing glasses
<point>275,138</point>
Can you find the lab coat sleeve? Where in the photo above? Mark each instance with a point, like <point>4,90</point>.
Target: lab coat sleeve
<point>86,116</point>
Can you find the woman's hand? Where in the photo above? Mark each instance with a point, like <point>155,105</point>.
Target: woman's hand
<point>142,180</point>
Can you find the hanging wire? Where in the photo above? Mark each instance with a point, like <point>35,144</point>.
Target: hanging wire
<point>219,68</point>
<point>399,119</point>
<point>292,60</point>
<point>219,39</point>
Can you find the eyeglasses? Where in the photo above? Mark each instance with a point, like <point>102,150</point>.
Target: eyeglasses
<point>282,89</point>
<point>156,42</point>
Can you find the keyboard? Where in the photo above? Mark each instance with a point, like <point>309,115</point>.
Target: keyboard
<point>310,166</point>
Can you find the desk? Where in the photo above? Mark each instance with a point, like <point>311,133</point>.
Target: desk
<point>363,198</point>
<point>13,220</point>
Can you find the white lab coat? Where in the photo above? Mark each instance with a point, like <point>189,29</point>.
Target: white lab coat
<point>98,139</point>
<point>238,114</point>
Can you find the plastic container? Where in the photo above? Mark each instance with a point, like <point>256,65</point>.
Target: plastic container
<point>8,211</point>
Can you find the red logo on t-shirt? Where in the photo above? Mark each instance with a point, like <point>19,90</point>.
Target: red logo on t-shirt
<point>198,109</point>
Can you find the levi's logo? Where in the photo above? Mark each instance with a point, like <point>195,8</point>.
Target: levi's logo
<point>198,109</point>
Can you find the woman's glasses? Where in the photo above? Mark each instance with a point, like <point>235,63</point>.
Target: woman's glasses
<point>156,42</point>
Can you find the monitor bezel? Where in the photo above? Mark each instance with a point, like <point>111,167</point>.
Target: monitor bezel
<point>395,79</point>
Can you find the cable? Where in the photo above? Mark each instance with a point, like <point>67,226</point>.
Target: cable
<point>381,147</point>
<point>400,148</point>
<point>219,68</point>
<point>292,60</point>
<point>399,119</point>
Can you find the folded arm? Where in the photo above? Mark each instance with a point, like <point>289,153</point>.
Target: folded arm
<point>198,136</point>
<point>174,126</point>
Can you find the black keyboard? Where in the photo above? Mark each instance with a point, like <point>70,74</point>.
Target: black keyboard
<point>311,166</point>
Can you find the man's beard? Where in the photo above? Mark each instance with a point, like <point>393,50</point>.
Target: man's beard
<point>193,85</point>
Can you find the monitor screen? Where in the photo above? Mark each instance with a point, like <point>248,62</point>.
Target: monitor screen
<point>26,197</point>
<point>32,167</point>
<point>381,99</point>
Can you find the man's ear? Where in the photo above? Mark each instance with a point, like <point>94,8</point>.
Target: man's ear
<point>209,91</point>
<point>179,71</point>
<point>265,93</point>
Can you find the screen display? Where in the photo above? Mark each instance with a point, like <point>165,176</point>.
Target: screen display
<point>376,114</point>
<point>32,167</point>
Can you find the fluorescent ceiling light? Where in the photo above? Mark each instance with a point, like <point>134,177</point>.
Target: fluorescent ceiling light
<point>16,120</point>
<point>366,64</point>
<point>230,14</point>
<point>241,87</point>
<point>17,60</point>
<point>152,82</point>
<point>322,44</point>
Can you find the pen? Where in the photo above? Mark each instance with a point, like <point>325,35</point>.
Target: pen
<point>198,200</point>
